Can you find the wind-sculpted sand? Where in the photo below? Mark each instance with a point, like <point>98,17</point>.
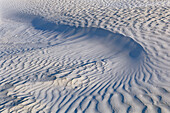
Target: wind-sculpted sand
<point>90,56</point>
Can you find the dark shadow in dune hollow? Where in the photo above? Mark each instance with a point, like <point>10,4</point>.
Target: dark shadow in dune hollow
<point>108,38</point>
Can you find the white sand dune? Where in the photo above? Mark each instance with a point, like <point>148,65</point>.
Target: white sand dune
<point>90,56</point>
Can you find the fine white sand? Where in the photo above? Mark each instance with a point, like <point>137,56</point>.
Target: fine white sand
<point>90,56</point>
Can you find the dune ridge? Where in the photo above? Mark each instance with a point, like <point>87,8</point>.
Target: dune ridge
<point>84,56</point>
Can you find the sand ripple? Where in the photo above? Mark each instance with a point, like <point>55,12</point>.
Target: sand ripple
<point>84,56</point>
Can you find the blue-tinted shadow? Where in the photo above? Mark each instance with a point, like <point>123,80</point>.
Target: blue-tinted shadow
<point>117,40</point>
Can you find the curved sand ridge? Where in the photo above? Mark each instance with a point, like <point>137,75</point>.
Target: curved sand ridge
<point>84,56</point>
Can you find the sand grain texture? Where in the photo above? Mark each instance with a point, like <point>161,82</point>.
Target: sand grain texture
<point>85,56</point>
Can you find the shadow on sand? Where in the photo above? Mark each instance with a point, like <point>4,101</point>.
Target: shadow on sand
<point>114,41</point>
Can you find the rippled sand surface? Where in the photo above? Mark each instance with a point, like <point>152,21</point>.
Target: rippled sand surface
<point>85,56</point>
